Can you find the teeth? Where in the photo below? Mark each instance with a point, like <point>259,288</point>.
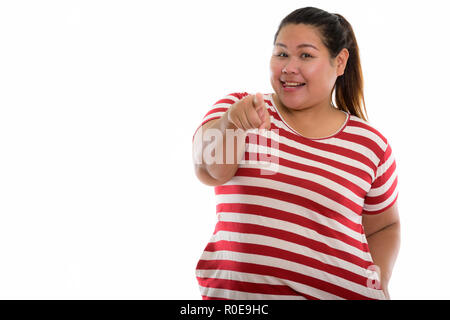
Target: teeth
<point>292,84</point>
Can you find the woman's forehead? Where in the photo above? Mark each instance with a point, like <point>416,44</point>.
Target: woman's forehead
<point>298,34</point>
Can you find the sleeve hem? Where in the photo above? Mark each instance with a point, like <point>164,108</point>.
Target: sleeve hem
<point>381,210</point>
<point>193,136</point>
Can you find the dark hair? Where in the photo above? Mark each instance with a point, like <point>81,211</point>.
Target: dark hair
<point>337,33</point>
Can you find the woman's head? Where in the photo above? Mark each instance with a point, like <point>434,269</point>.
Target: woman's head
<point>318,49</point>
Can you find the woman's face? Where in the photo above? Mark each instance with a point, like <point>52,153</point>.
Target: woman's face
<point>302,74</point>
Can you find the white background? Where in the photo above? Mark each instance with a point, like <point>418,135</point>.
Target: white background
<point>98,104</point>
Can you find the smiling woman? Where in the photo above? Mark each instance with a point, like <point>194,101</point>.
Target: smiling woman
<point>303,76</point>
<point>328,46</point>
<point>295,229</point>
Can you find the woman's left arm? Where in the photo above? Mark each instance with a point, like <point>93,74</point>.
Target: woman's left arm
<point>383,236</point>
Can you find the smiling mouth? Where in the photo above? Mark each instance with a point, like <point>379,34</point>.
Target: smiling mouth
<point>292,84</point>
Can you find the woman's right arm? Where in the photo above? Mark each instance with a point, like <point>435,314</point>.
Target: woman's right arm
<point>210,152</point>
<point>219,145</point>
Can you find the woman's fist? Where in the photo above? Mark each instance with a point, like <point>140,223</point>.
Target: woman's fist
<point>250,113</point>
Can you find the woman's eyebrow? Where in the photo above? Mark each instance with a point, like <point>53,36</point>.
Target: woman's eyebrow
<point>298,47</point>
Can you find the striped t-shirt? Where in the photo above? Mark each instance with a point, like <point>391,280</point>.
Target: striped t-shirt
<point>290,220</point>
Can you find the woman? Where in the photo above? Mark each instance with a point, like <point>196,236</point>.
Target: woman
<point>321,221</point>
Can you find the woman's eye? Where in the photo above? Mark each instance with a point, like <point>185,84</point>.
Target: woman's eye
<point>306,55</point>
<point>282,54</point>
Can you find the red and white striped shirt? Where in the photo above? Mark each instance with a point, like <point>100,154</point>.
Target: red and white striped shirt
<point>290,220</point>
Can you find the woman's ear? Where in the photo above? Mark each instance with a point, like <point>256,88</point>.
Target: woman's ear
<point>341,61</point>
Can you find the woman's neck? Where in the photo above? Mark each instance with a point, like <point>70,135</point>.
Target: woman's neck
<point>319,119</point>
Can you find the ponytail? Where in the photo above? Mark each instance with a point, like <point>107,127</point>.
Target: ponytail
<point>349,94</point>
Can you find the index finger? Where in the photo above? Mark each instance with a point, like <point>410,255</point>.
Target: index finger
<point>258,100</point>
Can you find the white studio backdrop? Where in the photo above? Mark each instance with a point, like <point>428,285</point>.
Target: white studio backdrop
<point>98,104</point>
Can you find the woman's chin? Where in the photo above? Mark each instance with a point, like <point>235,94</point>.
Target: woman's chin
<point>294,103</point>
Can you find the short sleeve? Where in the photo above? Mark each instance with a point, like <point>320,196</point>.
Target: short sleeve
<point>384,189</point>
<point>220,107</point>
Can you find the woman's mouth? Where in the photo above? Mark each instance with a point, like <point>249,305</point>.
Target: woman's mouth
<point>292,86</point>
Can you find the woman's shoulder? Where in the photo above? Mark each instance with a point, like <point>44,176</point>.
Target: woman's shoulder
<point>238,95</point>
<point>367,130</point>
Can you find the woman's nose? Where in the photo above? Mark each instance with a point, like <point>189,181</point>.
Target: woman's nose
<point>291,66</point>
